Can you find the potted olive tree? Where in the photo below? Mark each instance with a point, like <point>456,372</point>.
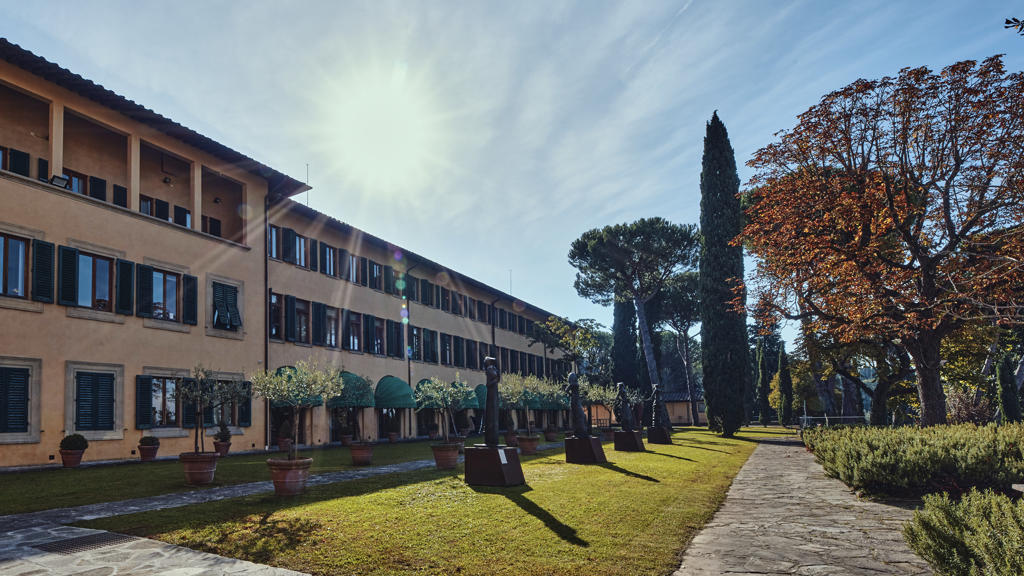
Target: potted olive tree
<point>297,387</point>
<point>519,393</point>
<point>198,393</point>
<point>72,447</point>
<point>592,394</point>
<point>449,398</point>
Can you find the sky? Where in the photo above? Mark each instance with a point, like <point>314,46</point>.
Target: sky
<point>489,135</point>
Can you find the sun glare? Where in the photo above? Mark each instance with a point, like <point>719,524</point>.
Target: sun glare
<point>388,130</point>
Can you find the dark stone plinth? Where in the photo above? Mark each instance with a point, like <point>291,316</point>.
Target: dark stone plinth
<point>629,441</point>
<point>586,450</point>
<point>485,468</point>
<point>659,435</point>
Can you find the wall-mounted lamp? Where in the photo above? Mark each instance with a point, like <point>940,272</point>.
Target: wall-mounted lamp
<point>216,200</point>
<point>167,179</point>
<point>61,181</point>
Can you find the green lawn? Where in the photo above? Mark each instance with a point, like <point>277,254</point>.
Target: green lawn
<point>45,489</point>
<point>632,516</point>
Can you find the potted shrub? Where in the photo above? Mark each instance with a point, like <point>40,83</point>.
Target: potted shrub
<point>148,445</point>
<point>201,392</point>
<point>361,452</point>
<point>520,392</point>
<point>222,439</point>
<point>298,387</point>
<point>449,398</point>
<point>72,447</point>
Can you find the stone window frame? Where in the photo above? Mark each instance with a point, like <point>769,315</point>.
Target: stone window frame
<point>167,431</point>
<point>70,370</point>
<point>88,313</point>
<point>208,305</point>
<point>35,378</point>
<point>235,429</point>
<point>25,304</point>
<point>181,271</point>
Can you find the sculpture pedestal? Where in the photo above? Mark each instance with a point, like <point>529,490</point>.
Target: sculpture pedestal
<point>632,441</point>
<point>659,435</point>
<point>493,466</point>
<point>586,450</point>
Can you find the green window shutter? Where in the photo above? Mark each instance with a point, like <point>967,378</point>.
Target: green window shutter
<point>343,262</point>
<point>245,407</point>
<point>189,300</point>
<point>346,332</point>
<point>368,325</point>
<point>124,287</point>
<point>208,416</point>
<point>188,407</point>
<point>323,257</point>
<point>143,402</point>
<point>85,401</point>
<point>400,338</point>
<point>67,260</point>
<point>42,169</point>
<point>98,188</point>
<point>42,271</point>
<point>14,400</point>
<point>143,291</point>
<point>104,401</point>
<point>231,300</point>
<point>289,318</point>
<point>319,323</point>
<point>181,215</point>
<point>311,258</point>
<point>288,245</point>
<point>161,209</point>
<point>364,263</point>
<point>19,162</point>
<point>120,196</point>
<point>389,279</point>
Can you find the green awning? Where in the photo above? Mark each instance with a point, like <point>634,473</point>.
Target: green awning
<point>393,392</point>
<point>481,397</point>
<point>358,393</point>
<point>311,401</point>
<point>472,399</point>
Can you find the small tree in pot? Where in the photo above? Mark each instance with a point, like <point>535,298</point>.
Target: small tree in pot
<point>199,392</point>
<point>449,398</point>
<point>298,387</point>
<point>519,392</point>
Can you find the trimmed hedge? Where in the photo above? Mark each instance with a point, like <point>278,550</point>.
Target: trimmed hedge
<point>981,535</point>
<point>914,461</point>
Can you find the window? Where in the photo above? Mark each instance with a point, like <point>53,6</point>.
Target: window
<point>329,265</point>
<point>95,282</point>
<point>396,345</point>
<point>165,295</point>
<point>353,330</point>
<point>379,336</point>
<point>390,287</point>
<point>540,366</point>
<point>301,251</point>
<point>446,300</point>
<point>302,331</point>
<point>459,347</point>
<point>354,270</point>
<point>166,402</point>
<point>276,309</point>
<point>145,204</point>
<point>482,354</point>
<point>524,359</point>
<point>210,225</point>
<point>412,287</point>
<point>183,216</point>
<point>529,328</point>
<point>13,267</point>
<point>274,242</point>
<point>471,359</point>
<point>430,346</point>
<point>522,325</point>
<point>513,361</point>
<point>470,308</point>
<point>77,182</point>
<point>481,311</point>
<point>3,159</point>
<point>94,401</point>
<point>225,413</point>
<point>502,318</point>
<point>226,315</point>
<point>331,327</point>
<point>14,400</point>
<point>446,349</point>
<point>457,303</point>
<point>376,272</point>
<point>426,292</point>
<point>415,343</point>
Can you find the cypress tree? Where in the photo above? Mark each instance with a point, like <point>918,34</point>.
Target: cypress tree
<point>785,388</point>
<point>763,384</point>
<point>1009,400</point>
<point>624,349</point>
<point>724,353</point>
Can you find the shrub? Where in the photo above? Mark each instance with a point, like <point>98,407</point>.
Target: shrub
<point>149,441</point>
<point>966,407</point>
<point>74,442</point>
<point>914,461</point>
<point>981,535</point>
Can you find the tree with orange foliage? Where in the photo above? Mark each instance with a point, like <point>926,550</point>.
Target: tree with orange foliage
<point>895,210</point>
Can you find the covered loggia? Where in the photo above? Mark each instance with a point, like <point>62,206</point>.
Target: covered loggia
<point>347,411</point>
<point>395,404</point>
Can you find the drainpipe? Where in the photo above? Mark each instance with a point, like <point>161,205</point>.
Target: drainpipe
<point>266,312</point>
<point>408,309</point>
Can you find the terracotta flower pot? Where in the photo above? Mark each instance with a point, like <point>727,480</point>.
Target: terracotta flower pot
<point>148,453</point>
<point>528,444</point>
<point>550,435</point>
<point>199,467</point>
<point>511,439</point>
<point>362,453</point>
<point>221,447</point>
<point>71,458</point>
<point>289,476</point>
<point>446,456</point>
<point>346,439</point>
<point>284,444</point>
<point>392,437</point>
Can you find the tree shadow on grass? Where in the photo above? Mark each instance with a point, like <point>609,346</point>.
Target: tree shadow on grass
<point>517,494</point>
<point>672,456</point>
<point>791,441</point>
<point>690,443</point>
<point>630,473</point>
<point>259,539</point>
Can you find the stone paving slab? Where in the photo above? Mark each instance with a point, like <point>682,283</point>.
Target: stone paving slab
<point>782,515</point>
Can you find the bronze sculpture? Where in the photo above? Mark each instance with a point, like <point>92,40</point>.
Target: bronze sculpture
<point>491,408</point>
<point>490,463</point>
<point>623,408</point>
<point>579,419</point>
<point>660,429</point>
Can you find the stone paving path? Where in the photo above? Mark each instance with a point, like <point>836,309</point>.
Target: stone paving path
<point>20,534</point>
<point>782,515</point>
